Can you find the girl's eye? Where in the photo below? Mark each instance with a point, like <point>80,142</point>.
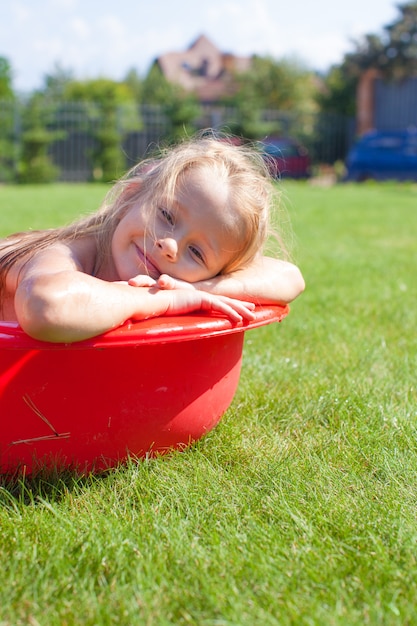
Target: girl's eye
<point>168,217</point>
<point>196,253</point>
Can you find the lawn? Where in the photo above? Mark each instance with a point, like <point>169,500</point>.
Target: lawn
<point>301,506</point>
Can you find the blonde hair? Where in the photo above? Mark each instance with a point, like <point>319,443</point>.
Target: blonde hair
<point>250,187</point>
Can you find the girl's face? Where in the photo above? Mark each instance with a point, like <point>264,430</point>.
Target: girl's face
<point>191,239</point>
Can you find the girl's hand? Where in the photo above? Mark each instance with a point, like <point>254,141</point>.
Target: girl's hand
<point>188,300</point>
<point>183,298</point>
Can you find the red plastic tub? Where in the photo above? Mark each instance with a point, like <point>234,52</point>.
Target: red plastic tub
<point>138,390</point>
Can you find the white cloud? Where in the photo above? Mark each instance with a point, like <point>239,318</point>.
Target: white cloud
<point>240,27</point>
<point>111,26</point>
<point>21,12</point>
<point>224,11</point>
<point>50,48</point>
<point>80,28</point>
<point>319,53</point>
<point>67,5</point>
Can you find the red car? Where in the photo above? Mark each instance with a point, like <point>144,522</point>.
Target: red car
<point>286,158</point>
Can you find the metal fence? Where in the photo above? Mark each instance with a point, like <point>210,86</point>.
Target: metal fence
<point>73,134</point>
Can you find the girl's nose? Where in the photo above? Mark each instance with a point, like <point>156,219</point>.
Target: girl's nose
<point>169,247</point>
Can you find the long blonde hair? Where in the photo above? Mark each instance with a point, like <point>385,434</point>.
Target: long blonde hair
<point>251,193</point>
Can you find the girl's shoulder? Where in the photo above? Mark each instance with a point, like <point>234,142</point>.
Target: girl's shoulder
<point>77,254</point>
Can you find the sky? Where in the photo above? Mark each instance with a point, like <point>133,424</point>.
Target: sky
<point>107,38</point>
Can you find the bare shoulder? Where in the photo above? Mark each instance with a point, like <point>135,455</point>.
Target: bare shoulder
<point>77,255</point>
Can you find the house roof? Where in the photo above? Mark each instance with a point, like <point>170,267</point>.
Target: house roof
<point>203,69</point>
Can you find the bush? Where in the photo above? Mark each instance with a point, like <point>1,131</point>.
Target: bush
<point>36,166</point>
<point>108,157</point>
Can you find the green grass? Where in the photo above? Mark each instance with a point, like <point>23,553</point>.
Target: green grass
<point>301,507</point>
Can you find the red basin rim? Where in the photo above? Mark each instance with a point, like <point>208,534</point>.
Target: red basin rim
<point>152,331</point>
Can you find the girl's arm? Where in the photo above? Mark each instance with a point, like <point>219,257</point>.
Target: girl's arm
<point>265,281</point>
<point>66,305</point>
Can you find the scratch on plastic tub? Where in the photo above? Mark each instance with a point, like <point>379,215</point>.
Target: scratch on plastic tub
<point>55,434</point>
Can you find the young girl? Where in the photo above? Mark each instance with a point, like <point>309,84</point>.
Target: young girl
<point>177,234</point>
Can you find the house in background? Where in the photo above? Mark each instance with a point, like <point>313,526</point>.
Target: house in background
<point>385,105</point>
<point>203,69</point>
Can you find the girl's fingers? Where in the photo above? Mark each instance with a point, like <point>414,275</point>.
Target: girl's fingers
<point>165,282</point>
<point>236,310</point>
<point>168,282</point>
<point>142,280</point>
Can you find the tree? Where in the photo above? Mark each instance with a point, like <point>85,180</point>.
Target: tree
<point>283,86</point>
<point>393,53</point>
<point>8,152</point>
<point>339,92</point>
<point>135,84</point>
<point>400,53</point>
<point>180,107</point>
<point>156,89</point>
<point>6,90</point>
<point>111,108</point>
<point>35,165</point>
<point>56,82</point>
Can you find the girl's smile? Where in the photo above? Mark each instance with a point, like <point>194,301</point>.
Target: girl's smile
<point>144,260</point>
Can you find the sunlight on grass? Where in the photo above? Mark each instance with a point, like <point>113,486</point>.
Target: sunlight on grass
<point>300,507</point>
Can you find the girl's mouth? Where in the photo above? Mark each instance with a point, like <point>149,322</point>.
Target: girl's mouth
<point>150,267</point>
